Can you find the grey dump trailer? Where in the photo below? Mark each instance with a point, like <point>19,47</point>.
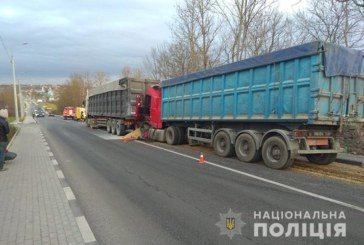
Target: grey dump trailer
<point>112,105</point>
<point>274,106</point>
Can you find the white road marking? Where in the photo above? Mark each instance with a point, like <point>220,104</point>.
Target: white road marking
<point>69,193</point>
<point>344,204</point>
<point>60,174</point>
<point>54,161</point>
<point>50,154</point>
<point>48,148</point>
<point>86,232</point>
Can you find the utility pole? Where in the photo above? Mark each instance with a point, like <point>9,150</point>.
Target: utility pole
<point>21,101</point>
<point>15,94</point>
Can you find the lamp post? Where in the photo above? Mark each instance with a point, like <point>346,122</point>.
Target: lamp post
<point>21,100</point>
<point>15,94</point>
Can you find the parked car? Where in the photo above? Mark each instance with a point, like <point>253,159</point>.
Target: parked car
<point>51,114</point>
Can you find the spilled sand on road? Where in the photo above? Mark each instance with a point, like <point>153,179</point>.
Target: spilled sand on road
<point>341,171</point>
<point>338,171</point>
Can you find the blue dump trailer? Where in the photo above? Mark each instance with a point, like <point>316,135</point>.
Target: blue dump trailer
<point>274,106</point>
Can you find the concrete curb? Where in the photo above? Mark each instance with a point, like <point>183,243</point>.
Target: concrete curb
<point>351,162</point>
<point>83,226</point>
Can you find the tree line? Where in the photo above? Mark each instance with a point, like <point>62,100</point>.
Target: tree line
<point>207,33</point>
<point>73,91</point>
<point>7,99</point>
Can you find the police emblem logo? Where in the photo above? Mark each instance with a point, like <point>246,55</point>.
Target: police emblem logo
<point>230,224</point>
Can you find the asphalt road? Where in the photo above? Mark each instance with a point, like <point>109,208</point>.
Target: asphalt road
<point>133,193</point>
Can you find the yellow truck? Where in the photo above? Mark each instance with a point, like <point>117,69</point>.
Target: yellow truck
<point>80,113</point>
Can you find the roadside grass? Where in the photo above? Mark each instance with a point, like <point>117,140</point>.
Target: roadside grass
<point>12,132</point>
<point>12,127</point>
<point>10,119</point>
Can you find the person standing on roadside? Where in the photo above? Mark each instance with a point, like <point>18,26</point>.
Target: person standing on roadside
<point>4,130</point>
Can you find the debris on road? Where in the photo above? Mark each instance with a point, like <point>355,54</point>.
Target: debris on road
<point>132,136</point>
<point>345,172</point>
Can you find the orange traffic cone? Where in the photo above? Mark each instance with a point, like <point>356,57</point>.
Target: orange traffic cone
<point>202,159</point>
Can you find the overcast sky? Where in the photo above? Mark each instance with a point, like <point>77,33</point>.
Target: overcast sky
<point>75,36</point>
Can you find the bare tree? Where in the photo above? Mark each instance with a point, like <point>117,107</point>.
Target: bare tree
<point>209,32</point>
<point>126,71</point>
<point>100,78</point>
<point>129,71</point>
<point>332,21</point>
<point>7,99</point>
<point>138,73</point>
<point>271,31</point>
<point>197,28</point>
<point>239,17</point>
<point>73,92</point>
<point>359,3</point>
<point>168,60</point>
<point>194,46</point>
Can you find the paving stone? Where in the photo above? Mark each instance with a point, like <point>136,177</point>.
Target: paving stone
<point>33,206</point>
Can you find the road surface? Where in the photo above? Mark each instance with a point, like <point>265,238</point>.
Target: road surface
<point>135,193</point>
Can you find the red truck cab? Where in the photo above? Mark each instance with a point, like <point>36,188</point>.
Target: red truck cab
<point>148,109</point>
<point>69,112</point>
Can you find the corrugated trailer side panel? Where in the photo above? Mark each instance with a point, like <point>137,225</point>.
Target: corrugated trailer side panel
<point>283,90</point>
<point>356,96</point>
<point>270,92</point>
<point>117,99</point>
<point>335,96</point>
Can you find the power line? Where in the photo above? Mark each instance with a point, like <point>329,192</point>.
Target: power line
<point>6,50</point>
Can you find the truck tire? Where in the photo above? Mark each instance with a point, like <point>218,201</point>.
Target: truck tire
<point>322,159</point>
<point>113,126</point>
<point>120,129</point>
<point>246,149</point>
<point>182,136</point>
<point>172,135</point>
<point>275,153</point>
<point>222,144</point>
<point>108,126</point>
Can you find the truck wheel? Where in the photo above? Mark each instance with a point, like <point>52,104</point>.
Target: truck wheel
<point>108,126</point>
<point>275,153</point>
<point>222,144</point>
<point>182,136</point>
<point>113,126</point>
<point>322,159</point>
<point>172,135</point>
<point>120,129</point>
<point>245,148</point>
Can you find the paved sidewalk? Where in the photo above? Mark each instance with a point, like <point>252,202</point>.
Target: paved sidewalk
<point>33,205</point>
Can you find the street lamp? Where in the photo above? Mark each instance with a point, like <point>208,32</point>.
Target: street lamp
<point>15,95</point>
<point>21,100</point>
